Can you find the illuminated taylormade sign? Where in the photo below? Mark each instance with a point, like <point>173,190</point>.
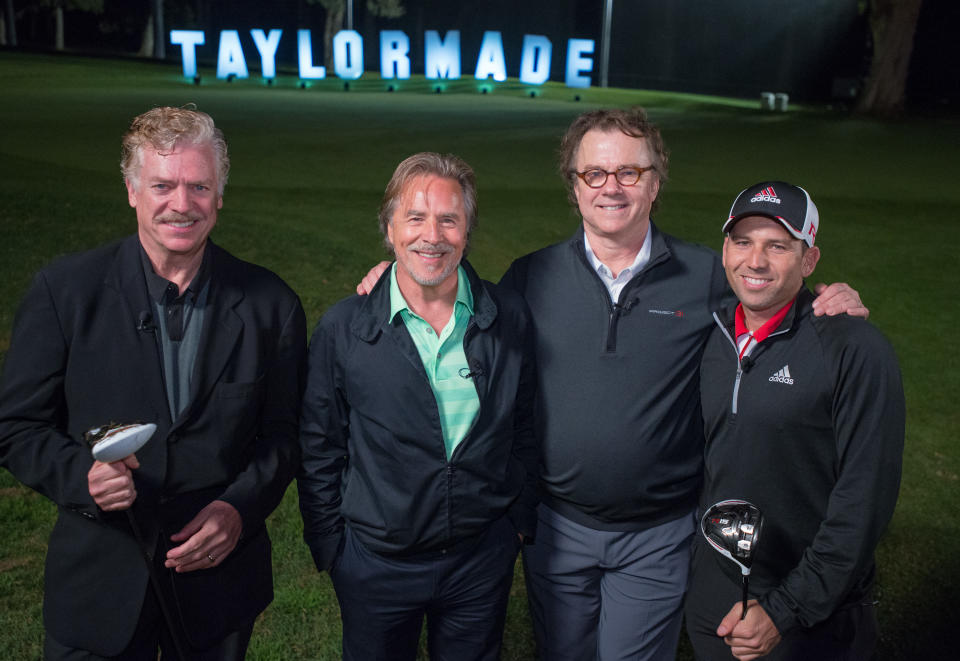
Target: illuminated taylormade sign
<point>441,56</point>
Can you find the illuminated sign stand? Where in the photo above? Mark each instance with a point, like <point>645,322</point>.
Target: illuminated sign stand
<point>442,56</point>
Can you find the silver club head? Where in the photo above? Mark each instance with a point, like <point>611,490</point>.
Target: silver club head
<point>115,441</point>
<point>733,528</point>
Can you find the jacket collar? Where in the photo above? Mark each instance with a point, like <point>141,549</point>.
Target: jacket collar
<point>126,275</point>
<point>222,327</point>
<point>659,250</point>
<point>797,311</point>
<point>157,285</point>
<point>372,318</point>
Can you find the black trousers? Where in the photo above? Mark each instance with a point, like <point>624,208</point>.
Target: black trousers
<point>462,592</point>
<point>850,634</point>
<point>153,633</point>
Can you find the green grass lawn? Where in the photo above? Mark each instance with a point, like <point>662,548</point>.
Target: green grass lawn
<point>309,167</point>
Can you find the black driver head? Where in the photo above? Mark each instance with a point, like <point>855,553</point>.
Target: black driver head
<point>733,528</point>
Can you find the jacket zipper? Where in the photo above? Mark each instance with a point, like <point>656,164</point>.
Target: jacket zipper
<point>736,389</point>
<point>449,504</point>
<point>612,329</point>
<point>613,319</point>
<point>736,383</point>
<point>473,365</point>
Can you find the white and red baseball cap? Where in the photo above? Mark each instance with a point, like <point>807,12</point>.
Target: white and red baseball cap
<point>780,201</point>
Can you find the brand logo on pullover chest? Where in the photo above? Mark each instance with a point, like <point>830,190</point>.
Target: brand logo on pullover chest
<point>782,376</point>
<point>666,313</point>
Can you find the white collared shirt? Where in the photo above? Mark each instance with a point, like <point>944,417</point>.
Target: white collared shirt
<point>616,285</point>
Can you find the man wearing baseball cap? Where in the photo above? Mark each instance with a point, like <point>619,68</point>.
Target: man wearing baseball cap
<point>803,417</point>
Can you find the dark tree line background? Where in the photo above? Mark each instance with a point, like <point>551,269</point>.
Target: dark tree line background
<point>893,26</point>
<point>899,54</point>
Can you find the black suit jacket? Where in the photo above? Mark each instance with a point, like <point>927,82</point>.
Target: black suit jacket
<point>78,359</point>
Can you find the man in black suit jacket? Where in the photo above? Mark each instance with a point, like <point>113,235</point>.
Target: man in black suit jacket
<point>162,327</point>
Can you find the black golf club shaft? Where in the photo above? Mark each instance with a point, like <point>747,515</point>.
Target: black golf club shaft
<point>155,582</point>
<point>746,583</point>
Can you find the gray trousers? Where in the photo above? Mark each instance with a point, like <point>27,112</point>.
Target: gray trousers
<point>607,596</point>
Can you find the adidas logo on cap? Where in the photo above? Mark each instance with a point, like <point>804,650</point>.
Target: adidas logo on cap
<point>766,195</point>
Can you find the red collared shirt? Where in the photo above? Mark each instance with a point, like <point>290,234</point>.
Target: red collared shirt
<point>746,340</point>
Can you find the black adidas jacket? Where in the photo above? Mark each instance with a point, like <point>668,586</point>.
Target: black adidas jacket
<point>810,430</point>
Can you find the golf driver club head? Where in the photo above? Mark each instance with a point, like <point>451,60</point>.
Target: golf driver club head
<point>733,528</point>
<point>115,441</point>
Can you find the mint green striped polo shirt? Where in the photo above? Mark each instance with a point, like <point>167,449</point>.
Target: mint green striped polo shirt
<point>443,359</point>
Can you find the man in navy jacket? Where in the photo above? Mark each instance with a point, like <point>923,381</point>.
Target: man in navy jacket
<point>419,470</point>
